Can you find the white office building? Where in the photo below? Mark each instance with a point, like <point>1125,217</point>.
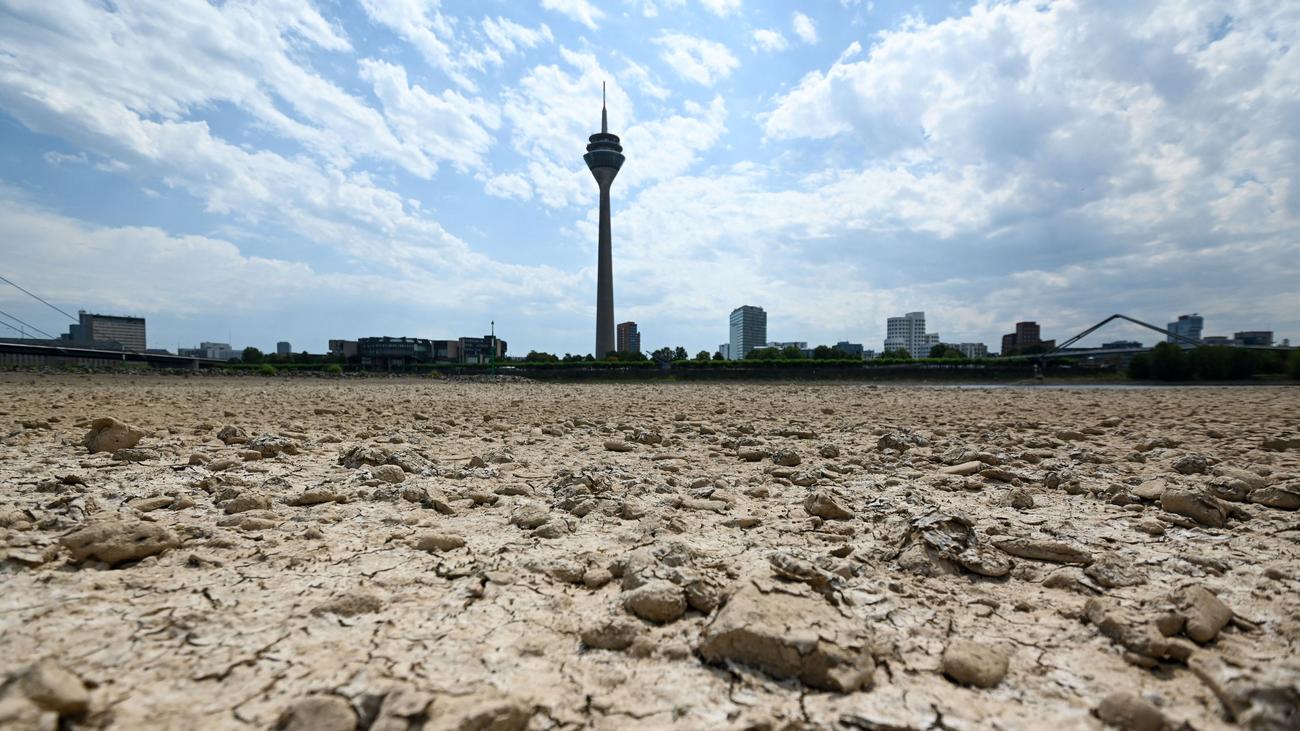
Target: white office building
<point>908,333</point>
<point>973,350</point>
<point>748,331</point>
<point>1189,326</point>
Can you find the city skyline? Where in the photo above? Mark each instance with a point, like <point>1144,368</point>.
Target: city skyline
<point>353,171</point>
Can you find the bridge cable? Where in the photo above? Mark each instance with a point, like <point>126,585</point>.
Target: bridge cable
<point>56,309</point>
<point>27,325</point>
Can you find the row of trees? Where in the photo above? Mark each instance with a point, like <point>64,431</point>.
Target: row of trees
<point>1169,362</point>
<point>790,352</point>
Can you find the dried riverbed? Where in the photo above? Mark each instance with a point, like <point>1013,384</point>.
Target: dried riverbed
<point>190,553</point>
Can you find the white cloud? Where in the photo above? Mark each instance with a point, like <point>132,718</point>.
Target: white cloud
<point>510,36</point>
<point>804,28</point>
<point>769,40</point>
<point>579,11</point>
<point>697,59</point>
<point>721,8</point>
<point>445,126</point>
<point>60,158</point>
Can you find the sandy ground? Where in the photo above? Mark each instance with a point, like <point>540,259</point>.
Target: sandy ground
<point>417,554</point>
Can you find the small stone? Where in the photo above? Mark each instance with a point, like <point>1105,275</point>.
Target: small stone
<point>389,473</point>
<point>1130,712</point>
<point>656,601</point>
<point>1018,498</point>
<point>1192,503</point>
<point>824,505</point>
<point>318,713</point>
<point>751,454</point>
<point>974,663</point>
<point>829,451</point>
<point>1282,498</point>
<point>109,435</point>
<point>965,469</point>
<point>54,688</point>
<point>1206,614</point>
<point>611,633</point>
<point>1191,464</point>
<point>150,504</point>
<point>618,445</point>
<point>596,577</point>
<point>351,604</point>
<point>529,516</point>
<point>115,541</point>
<point>787,458</point>
<point>439,542</point>
<point>1044,550</point>
<point>314,496</point>
<point>247,502</point>
<point>789,636</point>
<point>230,434</point>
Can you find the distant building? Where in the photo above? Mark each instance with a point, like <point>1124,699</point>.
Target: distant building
<point>386,352</point>
<point>853,350</point>
<point>1189,326</point>
<point>1027,335</point>
<point>213,351</point>
<point>908,333</point>
<point>343,348</point>
<point>1121,344</point>
<point>725,350</point>
<point>800,344</point>
<point>283,348</point>
<point>748,330</point>
<point>107,331</point>
<point>1254,337</point>
<point>973,350</point>
<point>482,350</point>
<point>1217,340</point>
<point>628,337</point>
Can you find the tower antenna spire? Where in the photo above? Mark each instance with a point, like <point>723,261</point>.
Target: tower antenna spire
<point>604,118</point>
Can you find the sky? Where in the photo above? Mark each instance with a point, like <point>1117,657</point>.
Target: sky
<point>250,171</point>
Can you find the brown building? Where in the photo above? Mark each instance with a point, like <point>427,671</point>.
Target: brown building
<point>629,338</point>
<point>1027,335</point>
<point>107,331</point>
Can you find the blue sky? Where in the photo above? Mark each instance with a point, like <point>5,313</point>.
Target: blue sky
<point>258,171</point>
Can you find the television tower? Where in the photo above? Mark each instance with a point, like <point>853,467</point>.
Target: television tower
<point>604,158</point>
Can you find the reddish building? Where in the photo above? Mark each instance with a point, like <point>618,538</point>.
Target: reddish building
<point>628,338</point>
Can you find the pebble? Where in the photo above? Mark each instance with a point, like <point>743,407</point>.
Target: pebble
<point>54,688</point>
<point>439,542</point>
<point>318,713</point>
<point>974,663</point>
<point>656,601</point>
<point>1130,712</point>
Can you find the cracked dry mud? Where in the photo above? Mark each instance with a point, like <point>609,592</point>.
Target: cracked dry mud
<point>332,554</point>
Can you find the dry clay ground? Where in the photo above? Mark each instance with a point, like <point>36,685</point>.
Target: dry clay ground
<point>338,554</point>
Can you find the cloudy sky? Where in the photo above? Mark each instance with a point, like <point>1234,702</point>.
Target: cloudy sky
<point>258,170</point>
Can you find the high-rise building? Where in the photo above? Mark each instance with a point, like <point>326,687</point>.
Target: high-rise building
<point>283,348</point>
<point>107,331</point>
<point>604,158</point>
<point>629,338</point>
<point>908,333</point>
<point>725,350</point>
<point>1253,337</point>
<point>748,330</point>
<point>1027,335</point>
<point>1188,326</point>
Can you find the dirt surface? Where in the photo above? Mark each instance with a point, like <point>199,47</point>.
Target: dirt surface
<point>331,554</point>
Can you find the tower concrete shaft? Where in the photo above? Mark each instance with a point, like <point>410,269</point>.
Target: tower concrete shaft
<point>604,269</point>
<point>604,158</point>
